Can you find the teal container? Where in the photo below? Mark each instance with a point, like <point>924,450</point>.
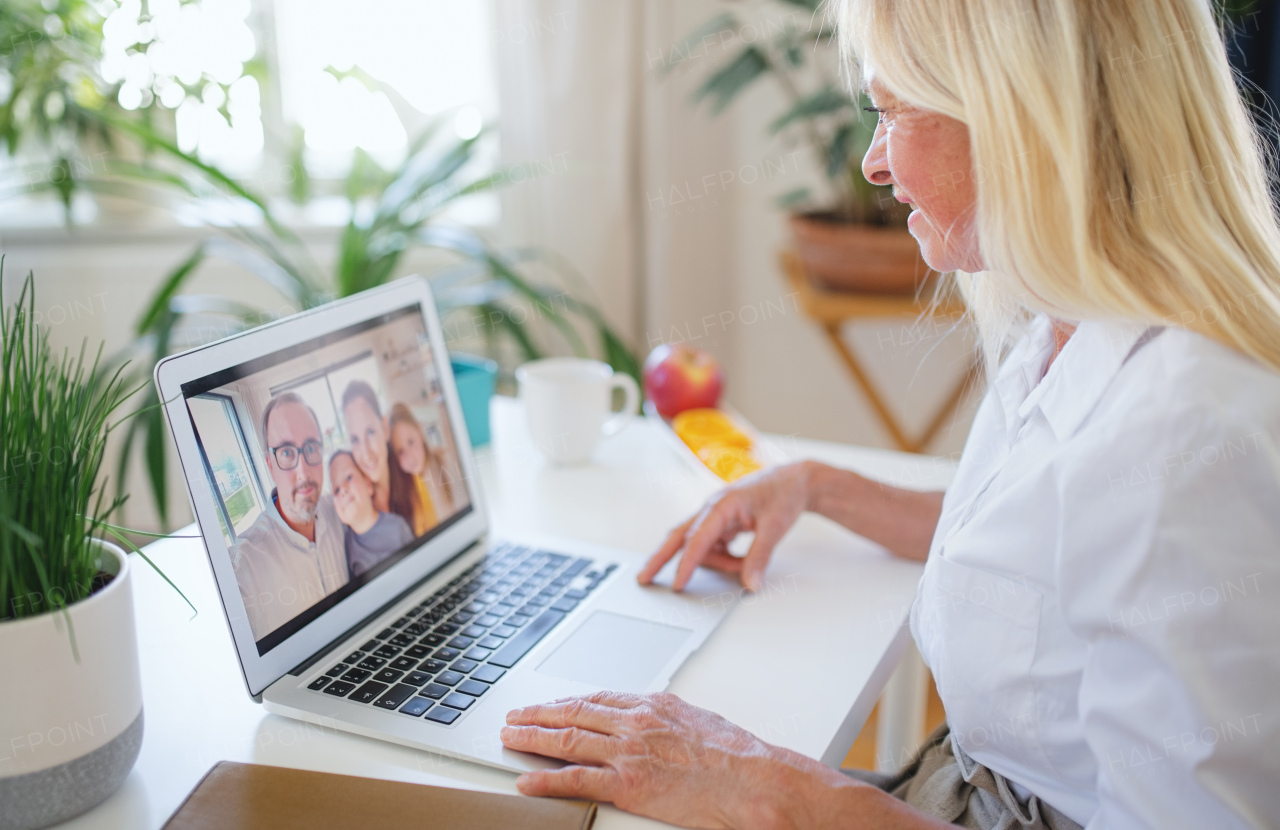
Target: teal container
<point>475,377</point>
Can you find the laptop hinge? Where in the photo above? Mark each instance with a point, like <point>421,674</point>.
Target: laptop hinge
<point>325,649</point>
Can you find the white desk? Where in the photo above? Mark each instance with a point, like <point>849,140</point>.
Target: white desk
<point>800,664</point>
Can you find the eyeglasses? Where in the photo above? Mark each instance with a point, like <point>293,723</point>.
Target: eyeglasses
<point>286,455</point>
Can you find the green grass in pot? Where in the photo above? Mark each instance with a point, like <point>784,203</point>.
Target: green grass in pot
<point>54,421</point>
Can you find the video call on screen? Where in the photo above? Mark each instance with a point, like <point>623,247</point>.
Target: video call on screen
<point>328,462</point>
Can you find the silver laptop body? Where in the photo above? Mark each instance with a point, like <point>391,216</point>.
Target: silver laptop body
<point>434,630</point>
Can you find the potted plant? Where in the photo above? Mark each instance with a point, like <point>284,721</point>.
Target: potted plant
<point>72,724</point>
<point>853,237</point>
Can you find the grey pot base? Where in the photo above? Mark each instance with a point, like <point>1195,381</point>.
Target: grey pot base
<point>39,799</point>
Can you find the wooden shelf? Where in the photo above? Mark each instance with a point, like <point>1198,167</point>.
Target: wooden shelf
<point>832,309</point>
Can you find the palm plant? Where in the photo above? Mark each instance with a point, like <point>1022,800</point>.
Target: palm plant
<point>50,90</point>
<point>406,207</point>
<point>792,43</point>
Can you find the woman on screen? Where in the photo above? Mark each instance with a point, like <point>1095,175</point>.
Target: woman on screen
<point>367,432</point>
<point>437,485</point>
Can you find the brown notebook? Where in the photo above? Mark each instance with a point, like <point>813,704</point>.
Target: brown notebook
<point>255,797</point>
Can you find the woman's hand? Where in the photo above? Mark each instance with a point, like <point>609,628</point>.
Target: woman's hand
<point>654,755</point>
<point>767,503</point>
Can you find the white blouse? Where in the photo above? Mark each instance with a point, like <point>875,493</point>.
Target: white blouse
<point>1101,603</point>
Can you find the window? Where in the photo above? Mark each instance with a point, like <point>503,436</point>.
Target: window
<point>322,62</point>
<point>226,454</point>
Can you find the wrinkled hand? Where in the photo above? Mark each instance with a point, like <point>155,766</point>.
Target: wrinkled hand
<point>767,503</point>
<point>654,755</point>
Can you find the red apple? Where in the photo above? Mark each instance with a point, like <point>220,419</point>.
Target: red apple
<point>679,377</point>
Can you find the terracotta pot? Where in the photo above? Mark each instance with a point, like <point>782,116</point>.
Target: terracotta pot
<point>843,256</point>
<point>71,728</point>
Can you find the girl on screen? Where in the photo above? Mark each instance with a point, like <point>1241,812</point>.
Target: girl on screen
<point>437,487</point>
<point>367,431</point>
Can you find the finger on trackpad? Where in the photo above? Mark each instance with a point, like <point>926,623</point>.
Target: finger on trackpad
<point>616,652</point>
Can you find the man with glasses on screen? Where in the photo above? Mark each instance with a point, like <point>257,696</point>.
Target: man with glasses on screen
<point>292,555</point>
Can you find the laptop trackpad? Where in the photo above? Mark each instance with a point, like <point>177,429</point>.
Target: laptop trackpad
<point>615,652</point>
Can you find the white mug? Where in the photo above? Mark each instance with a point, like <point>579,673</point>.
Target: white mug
<point>569,403</point>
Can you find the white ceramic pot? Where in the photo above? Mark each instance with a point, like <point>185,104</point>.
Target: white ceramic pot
<point>70,730</point>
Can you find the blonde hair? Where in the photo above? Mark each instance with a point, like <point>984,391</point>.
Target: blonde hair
<point>1117,171</point>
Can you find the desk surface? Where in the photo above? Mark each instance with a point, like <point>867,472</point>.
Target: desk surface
<point>800,663</point>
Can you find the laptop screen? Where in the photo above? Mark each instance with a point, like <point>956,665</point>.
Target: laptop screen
<point>329,461</point>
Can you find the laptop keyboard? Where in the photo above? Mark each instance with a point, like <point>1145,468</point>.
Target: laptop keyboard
<point>446,651</point>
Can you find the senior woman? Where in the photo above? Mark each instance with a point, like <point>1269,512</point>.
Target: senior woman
<point>1099,601</point>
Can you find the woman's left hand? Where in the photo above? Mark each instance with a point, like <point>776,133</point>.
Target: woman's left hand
<point>650,754</point>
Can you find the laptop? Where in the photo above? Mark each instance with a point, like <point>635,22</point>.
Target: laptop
<point>333,480</point>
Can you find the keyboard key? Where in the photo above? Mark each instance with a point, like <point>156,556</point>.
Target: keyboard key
<point>416,706</point>
<point>487,620</point>
<point>387,652</point>
<point>503,608</point>
<point>434,691</point>
<point>473,607</point>
<point>403,663</point>
<point>519,645</point>
<point>354,657</point>
<point>517,620</point>
<point>463,666</point>
<point>401,640</point>
<point>368,692</point>
<point>461,643</point>
<point>416,629</point>
<point>503,631</point>
<point>372,663</point>
<point>319,683</point>
<point>471,687</point>
<point>400,622</point>
<point>491,642</point>
<point>478,653</point>
<point>576,568</point>
<point>530,610</point>
<point>388,676</point>
<point>488,674</point>
<point>339,689</point>
<point>537,602</point>
<point>417,678</point>
<point>337,670</point>
<point>566,605</point>
<point>448,654</point>
<point>457,701</point>
<point>384,634</point>
<point>440,714</point>
<point>417,652</point>
<point>449,678</point>
<point>448,629</point>
<point>370,646</point>
<point>356,676</point>
<point>397,695</point>
<point>434,639</point>
<point>432,666</point>
<point>473,631</point>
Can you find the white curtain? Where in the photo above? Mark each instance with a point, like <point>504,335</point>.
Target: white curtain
<point>583,105</point>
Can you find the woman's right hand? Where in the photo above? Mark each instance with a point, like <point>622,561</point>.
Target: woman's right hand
<point>766,503</point>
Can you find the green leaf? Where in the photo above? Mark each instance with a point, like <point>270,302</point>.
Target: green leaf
<point>838,152</point>
<point>823,102</point>
<point>729,80</point>
<point>124,540</point>
<point>171,285</point>
<point>157,469</point>
<point>793,198</point>
<point>694,44</point>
